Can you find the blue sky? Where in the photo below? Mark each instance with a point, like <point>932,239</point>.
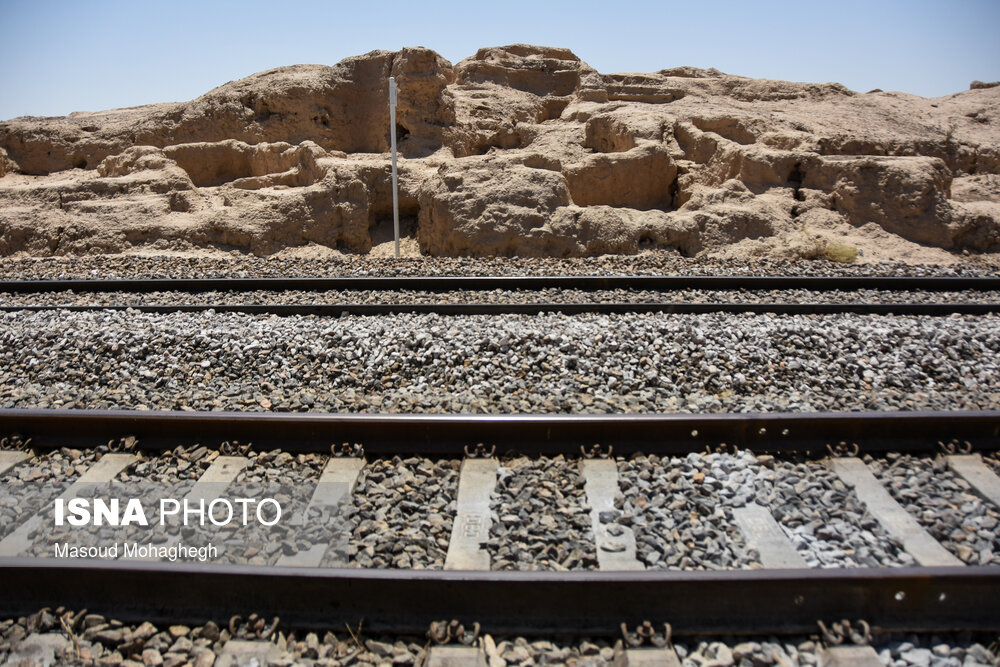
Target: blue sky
<point>60,56</point>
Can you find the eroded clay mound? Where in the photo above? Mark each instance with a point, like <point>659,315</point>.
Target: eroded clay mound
<point>516,150</point>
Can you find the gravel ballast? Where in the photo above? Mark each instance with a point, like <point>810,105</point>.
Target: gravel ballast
<point>541,296</point>
<point>106,641</point>
<point>236,265</point>
<point>823,517</point>
<point>286,478</point>
<point>403,513</point>
<point>680,510</point>
<point>540,520</point>
<point>544,363</point>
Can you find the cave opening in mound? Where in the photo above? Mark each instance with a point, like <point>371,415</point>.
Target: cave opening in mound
<point>380,227</point>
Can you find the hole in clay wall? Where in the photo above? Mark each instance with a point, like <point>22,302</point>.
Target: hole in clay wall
<point>683,250</point>
<point>795,178</point>
<point>380,228</point>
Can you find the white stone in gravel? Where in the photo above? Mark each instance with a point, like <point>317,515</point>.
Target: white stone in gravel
<point>39,649</point>
<point>649,657</point>
<point>921,657</point>
<point>239,653</point>
<point>455,656</point>
<point>849,656</point>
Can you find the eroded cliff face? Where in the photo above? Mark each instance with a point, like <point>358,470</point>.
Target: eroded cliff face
<point>517,150</point>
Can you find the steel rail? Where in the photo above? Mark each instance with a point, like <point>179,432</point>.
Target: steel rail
<point>368,309</point>
<point>440,283</point>
<point>448,435</point>
<point>576,602</point>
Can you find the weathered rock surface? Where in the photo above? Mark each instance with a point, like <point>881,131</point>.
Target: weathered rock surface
<point>516,150</point>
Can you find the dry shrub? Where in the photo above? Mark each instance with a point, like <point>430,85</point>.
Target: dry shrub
<point>840,252</point>
<point>820,248</point>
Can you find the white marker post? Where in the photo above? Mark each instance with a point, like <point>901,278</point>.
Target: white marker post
<point>392,133</point>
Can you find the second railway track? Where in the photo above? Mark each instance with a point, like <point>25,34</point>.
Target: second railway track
<point>515,295</point>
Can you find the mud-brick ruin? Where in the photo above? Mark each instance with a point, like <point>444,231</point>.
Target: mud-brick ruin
<point>517,150</point>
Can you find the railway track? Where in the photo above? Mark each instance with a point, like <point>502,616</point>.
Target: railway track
<point>930,296</point>
<point>936,592</point>
<point>768,567</point>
